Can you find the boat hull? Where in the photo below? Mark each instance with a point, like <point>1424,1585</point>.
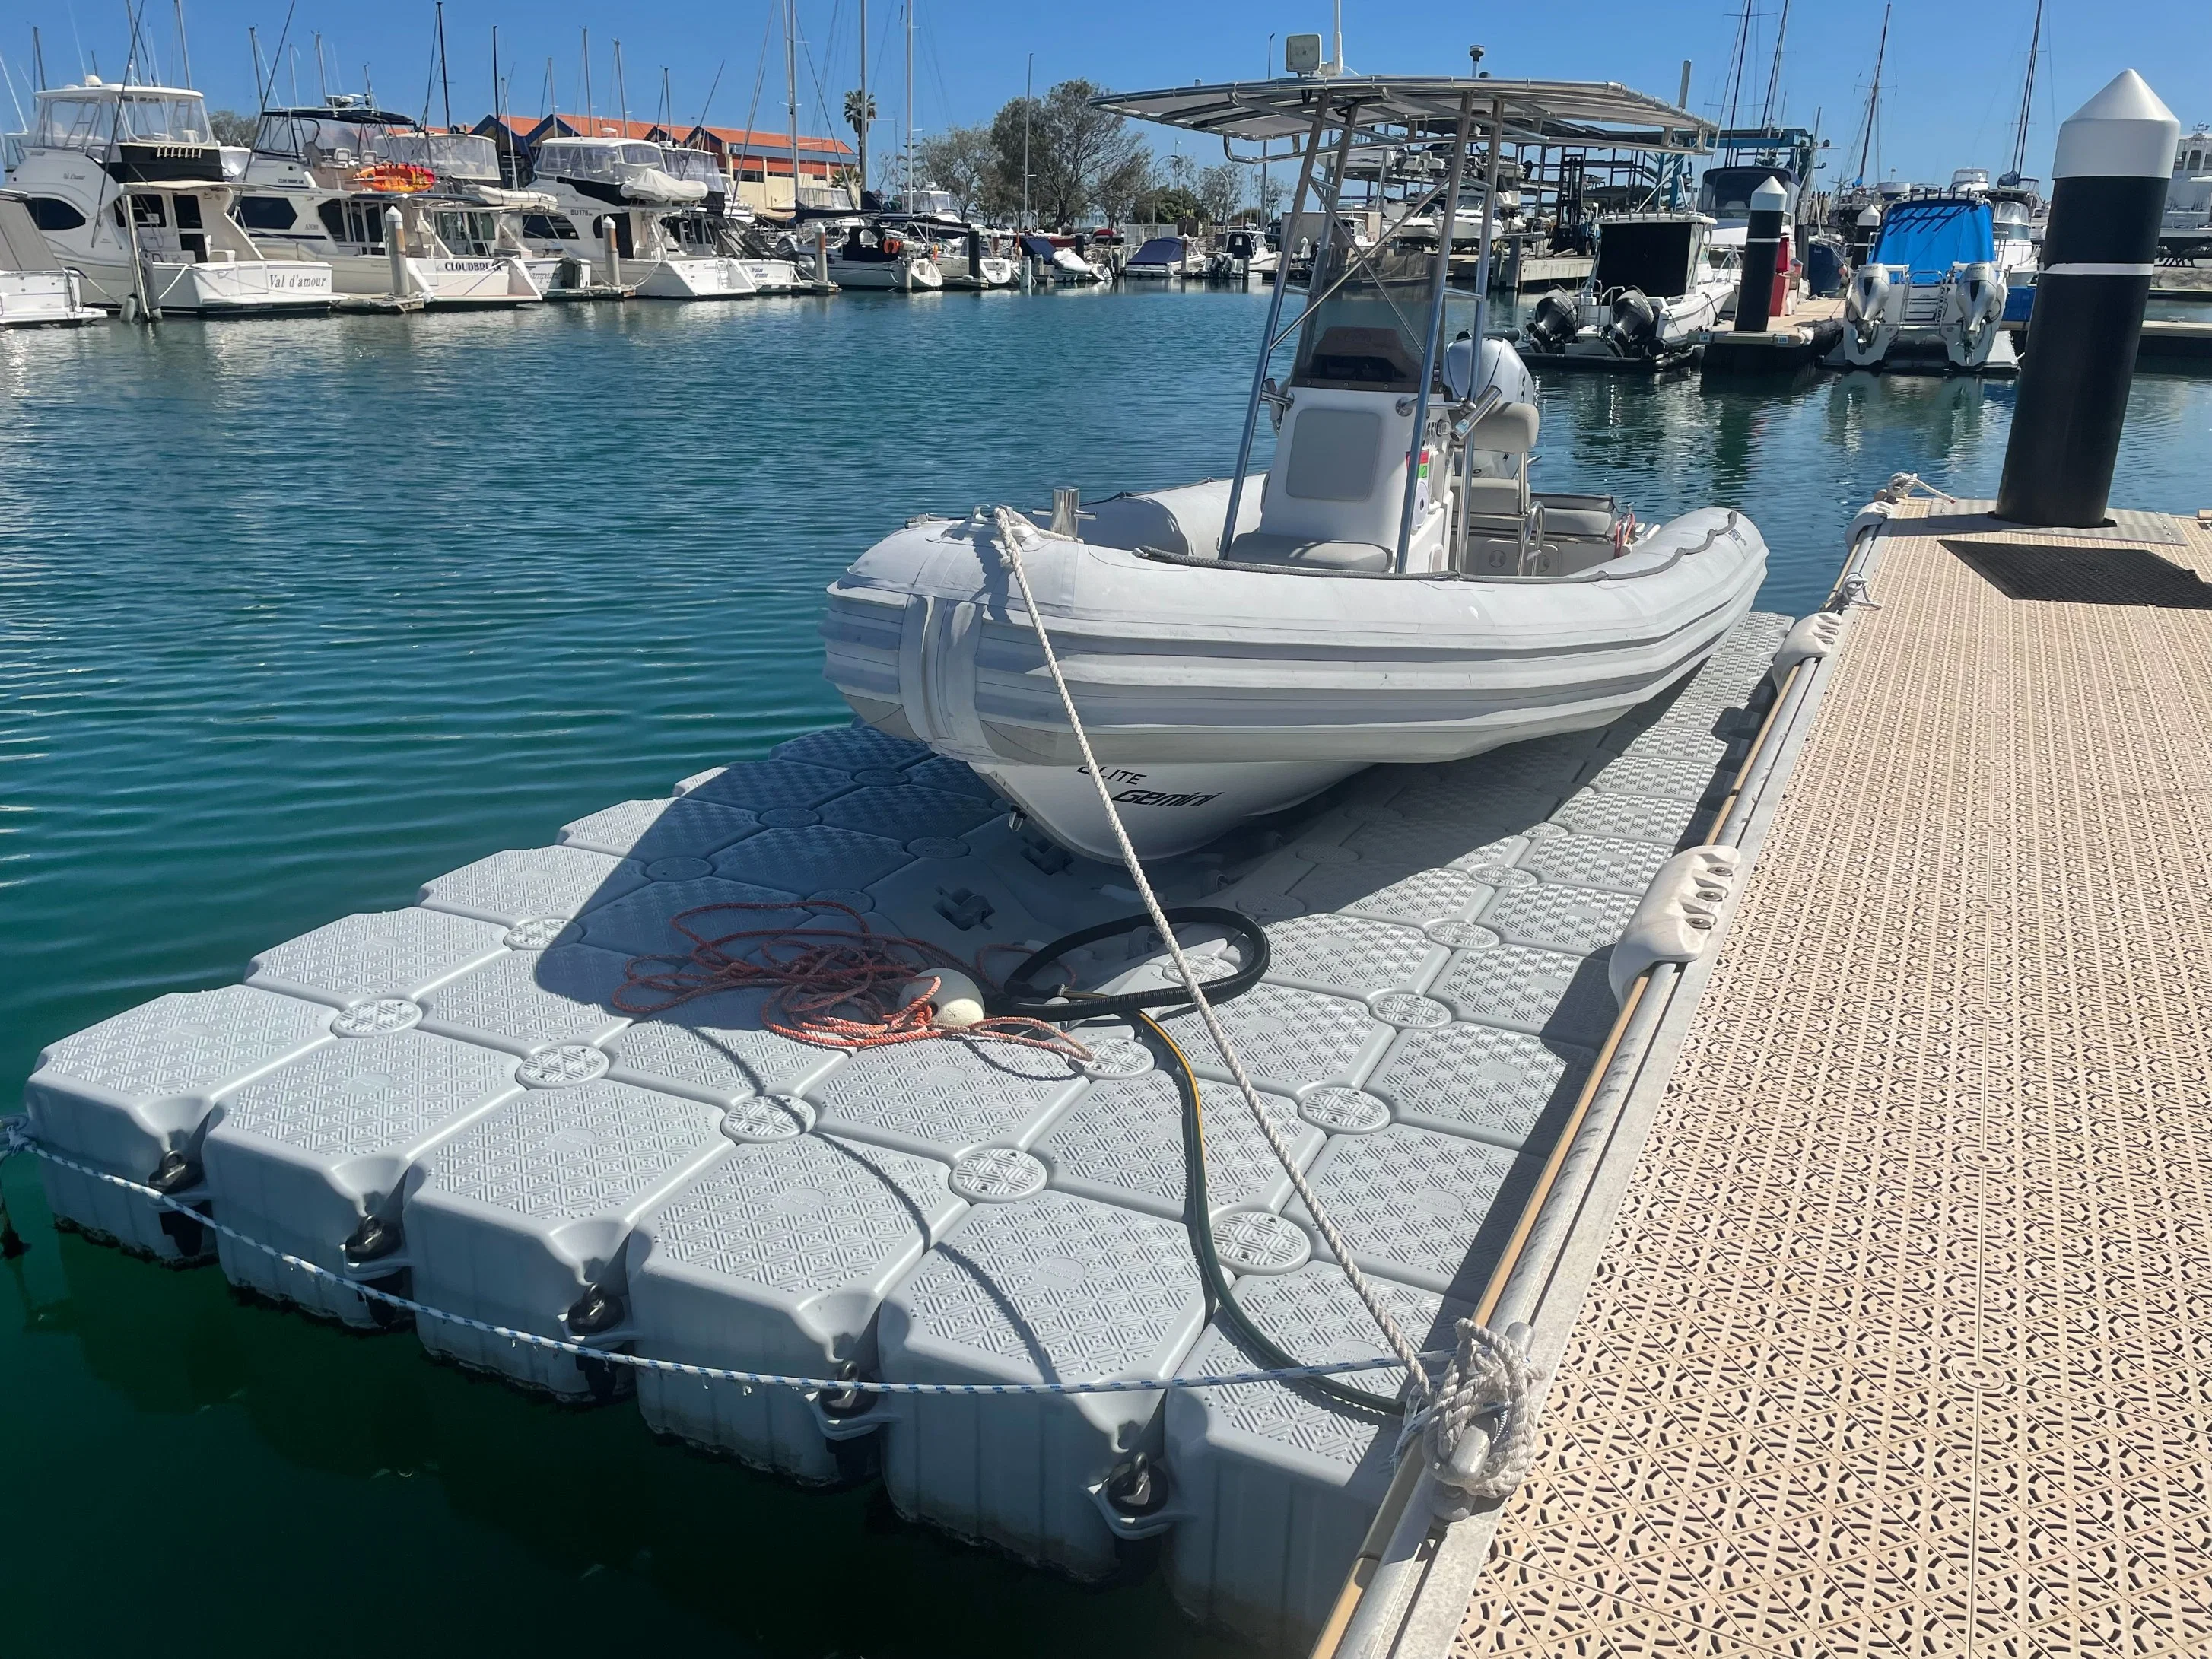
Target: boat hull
<point>1166,809</point>
<point>43,299</point>
<point>696,279</point>
<point>1213,692</point>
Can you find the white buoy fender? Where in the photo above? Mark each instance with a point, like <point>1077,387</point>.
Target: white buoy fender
<point>957,998</point>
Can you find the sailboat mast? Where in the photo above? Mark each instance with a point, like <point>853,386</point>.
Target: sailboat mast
<point>1774,74</point>
<point>445,74</point>
<point>863,134</point>
<point>1735,65</point>
<point>2028,95</point>
<point>909,106</point>
<point>1873,96</point>
<point>791,93</point>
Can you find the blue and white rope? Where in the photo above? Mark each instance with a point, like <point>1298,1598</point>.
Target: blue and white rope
<point>14,1137</point>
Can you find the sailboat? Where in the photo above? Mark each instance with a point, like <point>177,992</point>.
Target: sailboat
<point>1393,589</point>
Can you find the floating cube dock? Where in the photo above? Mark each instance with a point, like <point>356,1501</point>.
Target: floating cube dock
<point>446,1102</point>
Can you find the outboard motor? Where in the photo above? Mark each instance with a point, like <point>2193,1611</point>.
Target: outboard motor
<point>1866,309</point>
<point>1555,323</point>
<point>1634,329</point>
<point>1973,306</point>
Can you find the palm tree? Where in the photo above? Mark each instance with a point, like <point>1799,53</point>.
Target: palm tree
<point>859,111</point>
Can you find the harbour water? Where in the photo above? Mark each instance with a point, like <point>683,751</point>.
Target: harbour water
<point>298,614</point>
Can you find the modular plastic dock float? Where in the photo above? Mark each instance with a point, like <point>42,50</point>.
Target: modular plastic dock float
<point>447,1103</point>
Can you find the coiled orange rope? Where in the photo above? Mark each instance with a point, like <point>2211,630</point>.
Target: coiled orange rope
<point>836,987</point>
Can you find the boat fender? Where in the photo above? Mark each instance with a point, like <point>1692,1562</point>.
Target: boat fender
<point>1679,913</point>
<point>958,999</point>
<point>1813,637</point>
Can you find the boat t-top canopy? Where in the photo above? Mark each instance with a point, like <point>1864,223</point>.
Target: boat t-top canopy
<point>1374,304</point>
<point>1593,113</point>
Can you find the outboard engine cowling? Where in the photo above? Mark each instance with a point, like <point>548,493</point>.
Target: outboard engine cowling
<point>1866,309</point>
<point>1634,328</point>
<point>1554,322</point>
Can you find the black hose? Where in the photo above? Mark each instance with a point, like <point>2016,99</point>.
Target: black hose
<point>1220,1305</point>
<point>1019,996</point>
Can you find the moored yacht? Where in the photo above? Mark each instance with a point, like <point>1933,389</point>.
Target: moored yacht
<point>1930,294</point>
<point>1057,260</point>
<point>723,226</point>
<point>1390,590</point>
<point>130,191</point>
<point>1649,302</point>
<point>620,219</point>
<point>35,291</point>
<point>2186,228</point>
<point>394,209</point>
<point>881,255</point>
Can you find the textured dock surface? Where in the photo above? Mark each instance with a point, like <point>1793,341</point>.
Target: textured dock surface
<point>454,1100</point>
<point>1900,1343</point>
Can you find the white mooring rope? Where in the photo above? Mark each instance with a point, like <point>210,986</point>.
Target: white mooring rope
<point>16,1138</point>
<point>1488,1373</point>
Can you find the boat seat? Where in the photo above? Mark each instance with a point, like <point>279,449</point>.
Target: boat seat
<point>1584,518</point>
<point>1296,553</point>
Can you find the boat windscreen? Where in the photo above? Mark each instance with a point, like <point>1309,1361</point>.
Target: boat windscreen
<point>1930,235</point>
<point>1364,336</point>
<point>448,155</point>
<point>1725,192</point>
<point>1651,254</point>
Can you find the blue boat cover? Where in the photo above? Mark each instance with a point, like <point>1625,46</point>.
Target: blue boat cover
<point>1160,251</point>
<point>1038,247</point>
<point>1931,233</point>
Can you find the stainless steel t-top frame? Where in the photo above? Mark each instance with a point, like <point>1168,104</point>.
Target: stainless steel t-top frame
<point>1404,110</point>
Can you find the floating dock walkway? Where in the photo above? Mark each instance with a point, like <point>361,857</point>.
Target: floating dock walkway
<point>1897,1340</point>
<point>446,1102</point>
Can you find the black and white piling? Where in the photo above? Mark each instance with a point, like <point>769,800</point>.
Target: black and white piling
<point>1762,253</point>
<point>2115,154</point>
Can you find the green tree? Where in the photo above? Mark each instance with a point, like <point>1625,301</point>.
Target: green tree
<point>1080,157</point>
<point>230,127</point>
<point>860,115</point>
<point>1220,191</point>
<point>962,160</point>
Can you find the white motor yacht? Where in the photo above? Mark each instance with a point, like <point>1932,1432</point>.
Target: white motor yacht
<point>35,290</point>
<point>1391,589</point>
<point>1930,294</point>
<point>130,189</point>
<point>2186,228</point>
<point>394,209</point>
<point>1656,290</point>
<point>723,226</point>
<point>620,219</point>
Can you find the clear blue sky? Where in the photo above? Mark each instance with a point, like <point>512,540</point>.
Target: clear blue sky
<point>1951,86</point>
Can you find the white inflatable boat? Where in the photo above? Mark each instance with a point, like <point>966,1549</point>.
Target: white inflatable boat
<point>1237,646</point>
